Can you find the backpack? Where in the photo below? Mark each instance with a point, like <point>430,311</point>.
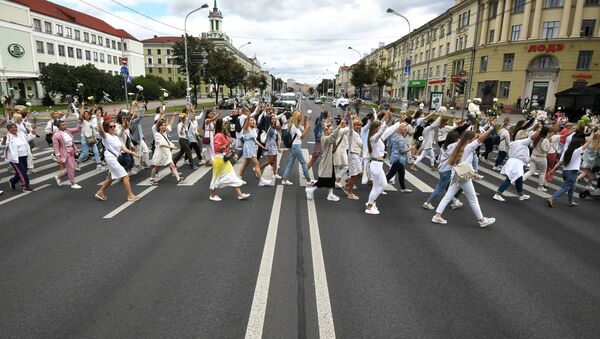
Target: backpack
<point>238,126</point>
<point>286,137</point>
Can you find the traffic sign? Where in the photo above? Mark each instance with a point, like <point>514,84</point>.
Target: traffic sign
<point>124,70</point>
<point>128,79</point>
<point>205,61</point>
<point>408,62</point>
<point>406,69</point>
<point>204,54</point>
<point>124,61</point>
<point>462,73</point>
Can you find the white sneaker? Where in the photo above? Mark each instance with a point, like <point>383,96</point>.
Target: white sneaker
<point>428,206</point>
<point>542,189</point>
<point>373,210</point>
<point>58,182</point>
<point>405,190</point>
<point>312,182</point>
<point>75,186</point>
<point>310,192</point>
<point>99,166</point>
<point>333,197</point>
<point>392,182</point>
<point>263,182</point>
<point>215,198</point>
<point>499,197</point>
<point>277,176</point>
<point>486,222</point>
<point>524,197</point>
<point>32,170</point>
<point>536,173</point>
<point>456,204</point>
<point>78,168</point>
<point>244,196</point>
<point>286,182</point>
<point>496,168</point>
<point>438,220</point>
<point>383,193</point>
<point>338,185</point>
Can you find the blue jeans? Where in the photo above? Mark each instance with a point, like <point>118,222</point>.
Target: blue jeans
<point>442,185</point>
<point>296,154</point>
<point>506,183</point>
<point>568,186</point>
<point>85,151</point>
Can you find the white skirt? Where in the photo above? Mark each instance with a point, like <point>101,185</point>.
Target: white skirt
<point>116,170</point>
<point>162,157</point>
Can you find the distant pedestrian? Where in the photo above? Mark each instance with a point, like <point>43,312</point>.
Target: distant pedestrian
<point>16,148</point>
<point>65,150</point>
<point>298,132</point>
<point>519,103</point>
<point>526,101</point>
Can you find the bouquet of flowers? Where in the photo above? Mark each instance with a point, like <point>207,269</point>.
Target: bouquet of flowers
<point>496,109</point>
<point>105,97</point>
<point>140,93</point>
<point>164,96</point>
<point>91,100</point>
<point>473,109</point>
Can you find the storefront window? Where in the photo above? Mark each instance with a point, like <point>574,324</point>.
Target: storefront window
<point>504,89</point>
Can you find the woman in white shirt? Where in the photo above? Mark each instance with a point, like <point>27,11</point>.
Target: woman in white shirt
<point>162,154</point>
<point>463,154</point>
<point>571,161</point>
<point>539,158</point>
<point>184,142</point>
<point>298,133</point>
<point>15,148</point>
<point>113,148</point>
<point>518,158</point>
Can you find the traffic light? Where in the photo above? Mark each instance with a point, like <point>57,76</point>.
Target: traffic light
<point>460,86</point>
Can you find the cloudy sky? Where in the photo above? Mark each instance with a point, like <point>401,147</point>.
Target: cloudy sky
<point>304,40</point>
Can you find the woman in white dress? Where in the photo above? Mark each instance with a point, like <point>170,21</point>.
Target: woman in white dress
<point>113,148</point>
<point>162,154</point>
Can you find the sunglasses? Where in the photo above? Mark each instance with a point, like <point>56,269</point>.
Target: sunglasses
<point>112,126</point>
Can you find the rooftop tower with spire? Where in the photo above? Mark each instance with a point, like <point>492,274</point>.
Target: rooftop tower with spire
<point>216,25</point>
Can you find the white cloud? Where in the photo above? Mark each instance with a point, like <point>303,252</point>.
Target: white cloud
<point>300,39</point>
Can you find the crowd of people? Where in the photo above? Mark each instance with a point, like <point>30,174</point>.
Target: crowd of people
<point>349,150</point>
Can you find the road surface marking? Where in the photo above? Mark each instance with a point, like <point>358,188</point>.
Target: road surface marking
<point>52,175</point>
<point>418,183</point>
<point>128,203</point>
<point>325,318</point>
<point>21,195</point>
<point>196,175</point>
<point>525,187</point>
<point>261,293</point>
<point>36,161</point>
<point>311,174</point>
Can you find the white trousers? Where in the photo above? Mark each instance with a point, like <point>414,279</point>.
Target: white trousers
<point>539,164</point>
<point>379,180</point>
<point>427,152</point>
<point>469,192</point>
<point>143,153</point>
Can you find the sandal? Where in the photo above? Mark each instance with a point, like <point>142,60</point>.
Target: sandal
<point>101,197</point>
<point>353,197</point>
<point>153,182</point>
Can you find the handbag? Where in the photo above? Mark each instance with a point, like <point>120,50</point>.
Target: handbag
<point>228,156</point>
<point>463,171</point>
<point>122,161</point>
<point>91,140</point>
<point>206,139</point>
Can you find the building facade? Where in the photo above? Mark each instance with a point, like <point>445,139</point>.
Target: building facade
<point>39,33</point>
<point>158,55</point>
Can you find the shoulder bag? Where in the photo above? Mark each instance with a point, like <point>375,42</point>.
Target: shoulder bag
<point>463,172</point>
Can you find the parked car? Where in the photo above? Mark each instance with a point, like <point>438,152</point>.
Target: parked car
<point>226,104</point>
<point>311,97</point>
<point>319,101</point>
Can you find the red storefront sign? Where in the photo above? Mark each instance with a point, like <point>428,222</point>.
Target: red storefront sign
<point>455,79</point>
<point>550,48</point>
<point>435,82</point>
<point>581,76</point>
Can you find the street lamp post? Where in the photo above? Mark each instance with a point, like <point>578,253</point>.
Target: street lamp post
<point>185,39</point>
<point>357,52</point>
<point>405,96</point>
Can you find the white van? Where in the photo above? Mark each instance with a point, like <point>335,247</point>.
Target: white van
<point>289,98</point>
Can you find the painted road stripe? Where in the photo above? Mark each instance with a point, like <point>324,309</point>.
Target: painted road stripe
<point>38,169</point>
<point>525,187</point>
<point>301,179</point>
<point>128,203</point>
<point>163,173</point>
<point>49,150</point>
<point>324,315</point>
<point>52,175</point>
<point>193,178</point>
<point>261,293</point>
<point>21,195</point>
<point>36,162</point>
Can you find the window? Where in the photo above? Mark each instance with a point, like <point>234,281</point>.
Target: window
<point>434,35</point>
<point>168,61</point>
<point>100,40</point>
<point>41,65</point>
<point>114,44</point>
<point>115,60</point>
<point>440,50</point>
<point>588,27</point>
<point>445,69</point>
<point>553,3</point>
<point>484,64</point>
<point>437,71</point>
<point>159,61</point>
<point>77,35</point>
<point>491,36</point>
<point>158,51</point>
<point>149,61</point>
<point>59,30</point>
<point>94,38</point>
<point>504,89</point>
<point>494,10</point>
<point>519,6</point>
<point>460,43</point>
<point>48,27</point>
<point>592,2</point>
<point>584,60</point>
<point>448,48</point>
<point>433,53</point>
<point>69,33</point>
<point>168,52</point>
<point>37,25</point>
<point>61,50</point>
<point>50,48</point>
<point>457,66</point>
<point>96,56</point>
<point>101,57</point>
<point>160,70</point>
<point>419,74</point>
<point>78,53</point>
<point>550,29</point>
<point>516,32</point>
<point>86,36</point>
<point>169,70</point>
<point>149,51</point>
<point>88,55</point>
<point>70,52</point>
<point>107,42</point>
<point>39,46</point>
<point>509,60</point>
<point>150,70</point>
<point>463,19</point>
<point>124,46</point>
<point>108,59</point>
<point>430,72</point>
<point>119,45</point>
<point>449,27</point>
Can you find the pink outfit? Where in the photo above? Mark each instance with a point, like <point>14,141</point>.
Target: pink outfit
<point>67,154</point>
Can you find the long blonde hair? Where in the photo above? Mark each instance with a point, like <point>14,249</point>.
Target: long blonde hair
<point>596,141</point>
<point>456,156</point>
<point>295,119</point>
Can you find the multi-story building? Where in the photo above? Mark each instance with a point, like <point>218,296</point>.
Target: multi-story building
<point>158,53</point>
<point>39,32</point>
<point>342,82</point>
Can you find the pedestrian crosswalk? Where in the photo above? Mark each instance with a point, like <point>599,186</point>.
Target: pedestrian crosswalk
<point>422,181</point>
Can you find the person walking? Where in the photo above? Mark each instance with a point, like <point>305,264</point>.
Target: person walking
<point>249,151</point>
<point>162,154</point>
<point>113,148</point>
<point>184,141</point>
<point>428,136</point>
<point>137,137</point>
<point>399,149</point>
<point>223,174</point>
<point>539,159</point>
<point>324,119</point>
<point>208,136</point>
<point>88,141</point>
<point>193,135</point>
<point>444,169</point>
<point>298,133</point>
<point>461,157</point>
<point>272,149</point>
<point>354,159</point>
<point>503,146</point>
<point>591,160</point>
<point>63,143</point>
<point>16,148</point>
<point>571,162</point>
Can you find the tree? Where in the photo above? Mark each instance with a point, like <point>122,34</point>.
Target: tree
<point>382,77</point>
<point>311,90</point>
<point>62,80</point>
<point>256,81</point>
<point>235,76</point>
<point>362,74</point>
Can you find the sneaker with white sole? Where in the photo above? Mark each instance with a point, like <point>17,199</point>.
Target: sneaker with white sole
<point>498,197</point>
<point>428,206</point>
<point>486,222</point>
<point>373,210</point>
<point>338,185</point>
<point>438,220</point>
<point>264,182</point>
<point>58,182</point>
<point>310,192</point>
<point>383,193</point>
<point>312,182</point>
<point>286,182</point>
<point>524,197</point>
<point>75,186</point>
<point>333,197</point>
<point>215,198</point>
<point>497,168</point>
<point>277,176</point>
<point>392,182</point>
<point>542,189</point>
<point>405,190</point>
<point>244,196</point>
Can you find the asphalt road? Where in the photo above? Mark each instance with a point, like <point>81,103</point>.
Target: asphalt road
<point>278,266</point>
